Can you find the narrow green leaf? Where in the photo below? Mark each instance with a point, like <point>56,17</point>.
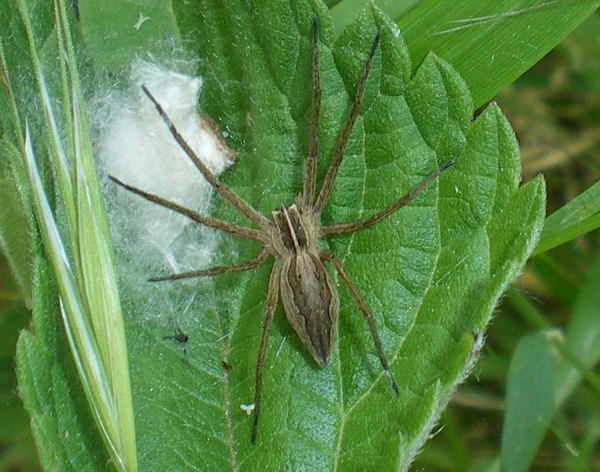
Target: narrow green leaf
<point>529,400</point>
<point>489,43</point>
<point>578,217</point>
<point>51,126</point>
<point>582,337</point>
<point>75,320</point>
<point>545,370</point>
<point>98,278</point>
<point>99,284</point>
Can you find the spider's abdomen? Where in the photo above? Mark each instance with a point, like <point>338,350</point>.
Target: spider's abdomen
<point>311,303</point>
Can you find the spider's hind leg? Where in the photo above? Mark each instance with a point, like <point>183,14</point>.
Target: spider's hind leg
<point>337,265</point>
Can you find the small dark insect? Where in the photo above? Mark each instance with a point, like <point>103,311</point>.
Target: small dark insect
<point>226,366</point>
<point>308,293</point>
<point>182,339</point>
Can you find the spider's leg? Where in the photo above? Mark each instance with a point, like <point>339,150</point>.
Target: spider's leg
<point>230,228</point>
<point>337,264</point>
<point>308,190</point>
<point>233,198</point>
<point>272,297</point>
<point>405,200</point>
<point>341,146</point>
<point>219,270</point>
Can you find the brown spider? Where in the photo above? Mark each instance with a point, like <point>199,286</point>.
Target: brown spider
<point>308,292</point>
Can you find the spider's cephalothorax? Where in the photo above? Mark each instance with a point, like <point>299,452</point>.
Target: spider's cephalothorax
<point>307,290</point>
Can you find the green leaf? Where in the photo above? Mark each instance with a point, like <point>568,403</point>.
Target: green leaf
<point>578,217</point>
